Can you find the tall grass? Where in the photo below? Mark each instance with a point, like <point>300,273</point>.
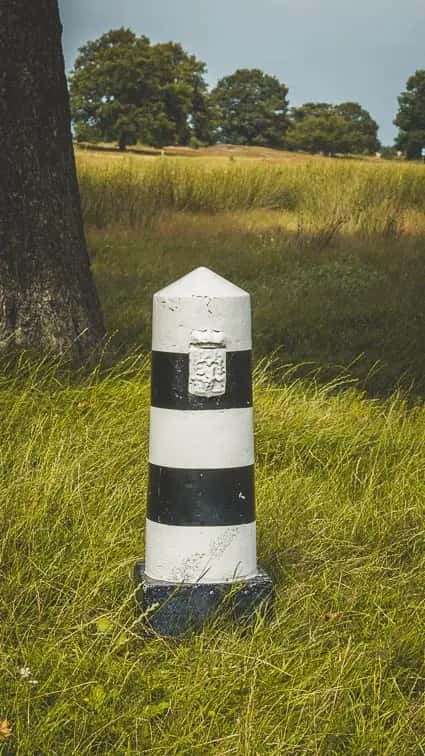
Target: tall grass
<point>340,667</point>
<point>317,298</point>
<point>332,252</point>
<point>361,197</point>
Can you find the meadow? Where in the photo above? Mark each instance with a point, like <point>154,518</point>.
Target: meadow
<point>332,252</point>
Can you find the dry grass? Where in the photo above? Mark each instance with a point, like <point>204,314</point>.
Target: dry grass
<point>361,197</point>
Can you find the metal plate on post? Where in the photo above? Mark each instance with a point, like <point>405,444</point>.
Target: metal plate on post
<point>207,364</point>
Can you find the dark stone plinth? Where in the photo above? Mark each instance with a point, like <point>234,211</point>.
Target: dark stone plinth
<point>173,608</point>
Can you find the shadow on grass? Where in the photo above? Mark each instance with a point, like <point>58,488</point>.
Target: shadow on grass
<point>356,304</point>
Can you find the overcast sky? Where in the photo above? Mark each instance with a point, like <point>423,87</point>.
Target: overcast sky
<point>324,50</point>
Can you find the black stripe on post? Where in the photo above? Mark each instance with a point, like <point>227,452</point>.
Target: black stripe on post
<point>170,383</point>
<point>201,497</point>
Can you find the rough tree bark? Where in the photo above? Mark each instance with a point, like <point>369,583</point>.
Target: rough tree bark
<point>48,301</point>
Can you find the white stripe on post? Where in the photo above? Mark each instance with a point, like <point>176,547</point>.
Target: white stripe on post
<point>201,440</point>
<point>200,555</point>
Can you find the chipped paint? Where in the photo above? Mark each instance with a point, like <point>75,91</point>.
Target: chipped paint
<point>200,554</point>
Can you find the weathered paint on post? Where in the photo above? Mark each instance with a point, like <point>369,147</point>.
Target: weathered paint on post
<point>200,527</point>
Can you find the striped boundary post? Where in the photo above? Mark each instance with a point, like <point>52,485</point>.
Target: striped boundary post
<point>200,527</point>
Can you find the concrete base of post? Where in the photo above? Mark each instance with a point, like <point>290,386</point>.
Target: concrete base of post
<point>174,608</point>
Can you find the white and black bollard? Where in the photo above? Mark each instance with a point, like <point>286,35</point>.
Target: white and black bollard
<point>200,528</point>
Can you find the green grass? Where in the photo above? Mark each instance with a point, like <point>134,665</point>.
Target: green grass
<point>333,254</point>
<point>340,667</point>
<point>332,251</point>
<point>359,196</point>
<point>352,302</point>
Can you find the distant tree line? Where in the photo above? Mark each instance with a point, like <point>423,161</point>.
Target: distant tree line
<point>124,88</point>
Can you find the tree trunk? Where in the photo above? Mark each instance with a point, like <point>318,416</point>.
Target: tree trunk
<point>48,301</point>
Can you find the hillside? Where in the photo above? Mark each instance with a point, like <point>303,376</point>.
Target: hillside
<point>215,151</point>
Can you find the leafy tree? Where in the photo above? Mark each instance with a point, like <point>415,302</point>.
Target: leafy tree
<point>310,110</point>
<point>323,127</point>
<point>251,108</point>
<point>362,128</point>
<point>125,89</point>
<point>47,295</point>
<point>322,133</point>
<point>410,118</point>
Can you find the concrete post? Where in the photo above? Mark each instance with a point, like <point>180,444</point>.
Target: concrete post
<point>200,528</point>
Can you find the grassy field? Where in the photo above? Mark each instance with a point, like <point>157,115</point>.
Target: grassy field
<point>333,253</point>
<point>340,667</point>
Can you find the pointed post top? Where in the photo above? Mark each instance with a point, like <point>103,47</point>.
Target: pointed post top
<point>201,301</point>
<point>202,282</point>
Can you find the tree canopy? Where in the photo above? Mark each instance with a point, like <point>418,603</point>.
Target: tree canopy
<point>323,127</point>
<point>251,108</point>
<point>124,88</point>
<point>410,118</point>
